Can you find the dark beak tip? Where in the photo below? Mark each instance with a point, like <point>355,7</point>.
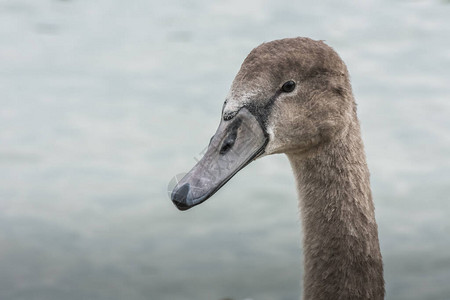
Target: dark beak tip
<point>179,197</point>
<point>181,206</point>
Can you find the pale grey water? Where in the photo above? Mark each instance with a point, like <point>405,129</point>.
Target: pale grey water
<point>102,102</point>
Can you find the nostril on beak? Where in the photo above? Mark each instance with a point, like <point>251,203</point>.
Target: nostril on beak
<point>179,197</point>
<point>226,147</point>
<point>228,143</point>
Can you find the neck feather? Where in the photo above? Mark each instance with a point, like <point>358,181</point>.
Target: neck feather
<point>341,248</point>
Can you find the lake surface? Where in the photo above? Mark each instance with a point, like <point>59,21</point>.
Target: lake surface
<point>103,102</point>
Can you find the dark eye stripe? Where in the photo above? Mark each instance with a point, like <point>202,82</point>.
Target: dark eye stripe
<point>288,86</point>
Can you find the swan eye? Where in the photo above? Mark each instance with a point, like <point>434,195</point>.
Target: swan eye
<point>288,86</point>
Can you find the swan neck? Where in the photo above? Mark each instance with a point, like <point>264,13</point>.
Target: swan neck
<point>341,250</point>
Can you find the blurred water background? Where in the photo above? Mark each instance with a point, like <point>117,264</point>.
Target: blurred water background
<point>103,102</point>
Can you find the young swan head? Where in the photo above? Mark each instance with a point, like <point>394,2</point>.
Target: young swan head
<point>289,96</point>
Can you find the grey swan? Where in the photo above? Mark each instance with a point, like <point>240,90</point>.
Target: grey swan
<point>294,96</point>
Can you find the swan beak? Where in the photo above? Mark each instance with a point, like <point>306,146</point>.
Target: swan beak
<point>236,143</point>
